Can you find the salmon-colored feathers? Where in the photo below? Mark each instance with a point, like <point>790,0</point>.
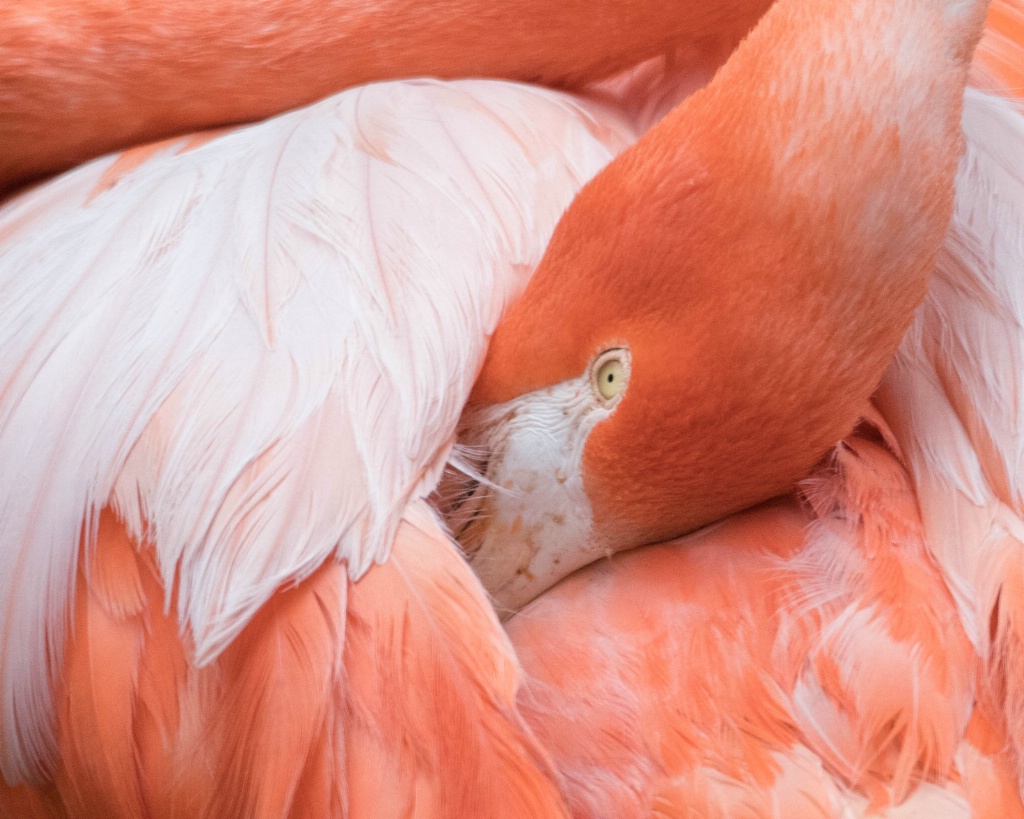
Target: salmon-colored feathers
<point>339,698</point>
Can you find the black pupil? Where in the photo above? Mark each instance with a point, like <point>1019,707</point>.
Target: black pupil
<point>611,377</point>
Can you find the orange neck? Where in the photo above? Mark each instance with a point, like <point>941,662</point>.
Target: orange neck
<point>81,77</point>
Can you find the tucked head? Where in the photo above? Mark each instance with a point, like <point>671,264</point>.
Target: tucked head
<point>716,307</point>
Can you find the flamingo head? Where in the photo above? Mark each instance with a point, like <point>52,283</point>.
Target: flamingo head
<point>716,307</point>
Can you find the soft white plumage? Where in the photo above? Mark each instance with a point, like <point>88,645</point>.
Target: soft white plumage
<point>258,349</point>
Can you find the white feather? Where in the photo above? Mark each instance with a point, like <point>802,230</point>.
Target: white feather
<point>258,349</point>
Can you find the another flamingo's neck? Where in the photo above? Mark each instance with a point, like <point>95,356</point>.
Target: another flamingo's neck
<point>81,77</point>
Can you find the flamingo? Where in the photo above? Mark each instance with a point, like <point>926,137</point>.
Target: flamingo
<point>181,611</point>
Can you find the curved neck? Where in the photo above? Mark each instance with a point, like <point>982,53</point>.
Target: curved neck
<point>760,251</point>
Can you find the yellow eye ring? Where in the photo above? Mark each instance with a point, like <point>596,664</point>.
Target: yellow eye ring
<point>610,374</point>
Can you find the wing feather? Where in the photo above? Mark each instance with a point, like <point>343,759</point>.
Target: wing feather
<point>257,349</point>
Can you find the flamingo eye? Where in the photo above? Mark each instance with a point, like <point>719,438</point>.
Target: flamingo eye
<point>610,374</point>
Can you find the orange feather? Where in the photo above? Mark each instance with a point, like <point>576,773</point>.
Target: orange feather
<point>999,63</point>
<point>339,696</point>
